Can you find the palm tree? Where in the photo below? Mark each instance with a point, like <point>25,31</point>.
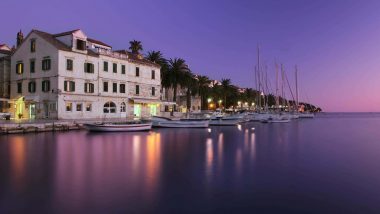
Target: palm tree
<point>226,86</point>
<point>203,89</point>
<point>177,69</point>
<point>157,57</point>
<point>135,46</point>
<point>190,83</point>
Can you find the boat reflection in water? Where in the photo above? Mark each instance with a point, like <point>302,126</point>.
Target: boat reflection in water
<point>248,168</point>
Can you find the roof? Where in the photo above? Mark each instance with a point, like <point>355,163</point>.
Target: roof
<point>137,58</point>
<point>6,52</point>
<point>52,40</point>
<point>98,42</point>
<point>65,33</point>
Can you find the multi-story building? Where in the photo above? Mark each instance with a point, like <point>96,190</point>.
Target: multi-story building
<point>71,76</point>
<point>5,71</point>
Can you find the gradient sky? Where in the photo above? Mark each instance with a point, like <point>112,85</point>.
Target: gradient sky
<point>336,44</point>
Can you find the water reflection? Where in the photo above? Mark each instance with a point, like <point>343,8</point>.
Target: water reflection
<point>17,151</point>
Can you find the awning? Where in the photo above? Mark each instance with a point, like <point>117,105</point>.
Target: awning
<point>168,103</point>
<point>145,101</point>
<point>32,98</point>
<point>4,99</point>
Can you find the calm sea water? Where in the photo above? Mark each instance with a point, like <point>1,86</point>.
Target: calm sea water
<point>330,164</point>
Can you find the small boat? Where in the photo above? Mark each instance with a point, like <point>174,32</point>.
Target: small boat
<point>306,115</point>
<point>183,123</point>
<point>118,127</point>
<point>224,122</point>
<point>277,119</point>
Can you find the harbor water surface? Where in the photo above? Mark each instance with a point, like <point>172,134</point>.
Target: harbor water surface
<point>330,164</point>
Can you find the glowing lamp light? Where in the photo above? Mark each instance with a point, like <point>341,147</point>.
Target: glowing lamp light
<point>209,100</point>
<point>220,101</point>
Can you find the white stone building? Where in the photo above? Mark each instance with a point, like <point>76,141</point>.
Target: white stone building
<point>5,71</point>
<point>71,76</point>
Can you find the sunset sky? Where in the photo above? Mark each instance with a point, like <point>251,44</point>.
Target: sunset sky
<point>336,44</point>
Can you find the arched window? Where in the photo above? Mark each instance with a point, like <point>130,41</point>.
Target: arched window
<point>122,107</point>
<point>109,107</point>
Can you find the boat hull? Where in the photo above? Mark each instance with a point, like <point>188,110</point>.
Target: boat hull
<point>118,127</point>
<point>181,124</point>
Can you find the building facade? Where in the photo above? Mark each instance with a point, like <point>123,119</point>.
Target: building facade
<point>5,71</point>
<point>71,76</point>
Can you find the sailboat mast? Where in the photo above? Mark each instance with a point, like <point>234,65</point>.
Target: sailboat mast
<point>258,76</point>
<point>297,96</point>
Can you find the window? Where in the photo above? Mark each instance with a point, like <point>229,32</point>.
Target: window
<point>19,68</point>
<point>46,85</point>
<point>81,45</point>
<point>123,107</point>
<point>89,87</point>
<point>105,86</point>
<point>122,88</point>
<point>137,89</point>
<point>69,106</point>
<point>122,69</point>
<point>153,91</point>
<point>69,64</point>
<point>53,107</point>
<point>69,86</point>
<point>114,67</point>
<point>105,66</point>
<point>32,87</point>
<point>109,107</point>
<point>19,87</point>
<point>88,107</point>
<point>79,106</point>
<point>114,87</point>
<point>137,71</point>
<point>32,66</point>
<point>32,45</point>
<point>88,67</point>
<point>153,74</point>
<point>46,63</point>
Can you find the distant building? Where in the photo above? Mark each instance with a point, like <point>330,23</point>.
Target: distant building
<point>71,76</point>
<point>5,71</point>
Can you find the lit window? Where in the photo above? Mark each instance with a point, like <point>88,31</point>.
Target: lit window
<point>69,106</point>
<point>88,107</point>
<point>79,107</point>
<point>19,68</point>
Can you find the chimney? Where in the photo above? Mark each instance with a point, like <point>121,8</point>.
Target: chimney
<point>20,38</point>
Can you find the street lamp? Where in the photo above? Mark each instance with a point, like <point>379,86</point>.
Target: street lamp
<point>209,100</point>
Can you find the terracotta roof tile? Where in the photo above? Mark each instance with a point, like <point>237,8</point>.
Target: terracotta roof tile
<point>98,42</point>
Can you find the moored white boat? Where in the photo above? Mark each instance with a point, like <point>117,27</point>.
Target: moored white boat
<point>118,127</point>
<point>168,123</point>
<point>306,115</point>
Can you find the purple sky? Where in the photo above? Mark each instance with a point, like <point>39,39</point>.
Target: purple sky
<point>336,44</point>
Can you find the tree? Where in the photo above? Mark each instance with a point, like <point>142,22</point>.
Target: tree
<point>157,57</point>
<point>135,46</point>
<point>190,83</point>
<point>177,69</point>
<point>203,85</point>
<point>226,87</point>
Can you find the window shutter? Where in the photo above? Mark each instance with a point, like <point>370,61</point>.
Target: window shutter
<point>85,87</point>
<point>65,86</point>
